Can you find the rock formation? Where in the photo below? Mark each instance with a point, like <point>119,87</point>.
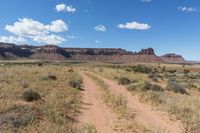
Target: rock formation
<point>148,51</point>
<point>173,58</point>
<point>52,52</point>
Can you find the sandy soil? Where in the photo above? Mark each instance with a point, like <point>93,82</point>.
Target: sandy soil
<point>93,111</point>
<point>145,114</point>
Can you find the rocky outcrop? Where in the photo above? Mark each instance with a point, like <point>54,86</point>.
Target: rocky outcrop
<point>148,51</point>
<point>96,51</point>
<point>52,52</point>
<point>173,58</point>
<point>11,51</point>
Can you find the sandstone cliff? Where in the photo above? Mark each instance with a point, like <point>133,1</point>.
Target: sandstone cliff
<point>52,52</point>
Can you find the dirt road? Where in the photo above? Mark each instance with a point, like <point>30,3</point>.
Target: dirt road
<point>157,121</point>
<point>93,111</point>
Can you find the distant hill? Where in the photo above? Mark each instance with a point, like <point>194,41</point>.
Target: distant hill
<point>51,52</point>
<point>173,58</point>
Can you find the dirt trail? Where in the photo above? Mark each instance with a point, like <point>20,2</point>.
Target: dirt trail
<point>93,111</point>
<point>144,114</point>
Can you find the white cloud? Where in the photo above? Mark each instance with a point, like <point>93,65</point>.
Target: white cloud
<point>134,26</point>
<point>65,8</point>
<point>27,27</point>
<point>38,31</point>
<point>70,8</point>
<point>12,39</point>
<point>60,7</point>
<point>57,26</point>
<point>97,41</point>
<point>187,9</point>
<point>100,28</point>
<point>49,39</point>
<point>145,0</point>
<point>72,37</point>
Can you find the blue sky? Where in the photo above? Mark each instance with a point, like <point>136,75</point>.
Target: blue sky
<point>165,25</point>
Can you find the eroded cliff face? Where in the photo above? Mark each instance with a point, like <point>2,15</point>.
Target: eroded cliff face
<point>52,52</point>
<point>173,58</point>
<point>148,51</point>
<point>11,51</point>
<point>96,51</point>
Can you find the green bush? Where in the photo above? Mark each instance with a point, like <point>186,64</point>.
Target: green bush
<point>30,96</point>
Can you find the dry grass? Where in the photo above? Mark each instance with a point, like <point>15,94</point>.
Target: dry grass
<point>55,112</point>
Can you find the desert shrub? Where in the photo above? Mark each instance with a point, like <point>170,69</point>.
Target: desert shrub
<point>142,69</point>
<point>153,77</point>
<point>40,64</point>
<point>20,116</point>
<point>163,69</point>
<point>30,96</point>
<point>117,102</point>
<point>154,87</point>
<point>192,76</point>
<point>52,77</point>
<point>175,87</point>
<point>115,78</point>
<point>155,97</point>
<point>128,70</point>
<point>171,71</point>
<point>49,77</point>
<point>132,87</point>
<point>124,81</point>
<point>186,71</point>
<point>75,84</point>
<point>146,86</point>
<point>70,70</point>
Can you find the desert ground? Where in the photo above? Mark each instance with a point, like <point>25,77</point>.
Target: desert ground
<point>91,97</point>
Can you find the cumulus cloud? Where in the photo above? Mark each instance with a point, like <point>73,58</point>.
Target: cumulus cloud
<point>134,26</point>
<point>65,8</point>
<point>49,39</point>
<point>145,0</point>
<point>100,28</point>
<point>27,27</point>
<point>60,7</point>
<point>38,31</point>
<point>57,26</point>
<point>12,39</point>
<point>187,9</point>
